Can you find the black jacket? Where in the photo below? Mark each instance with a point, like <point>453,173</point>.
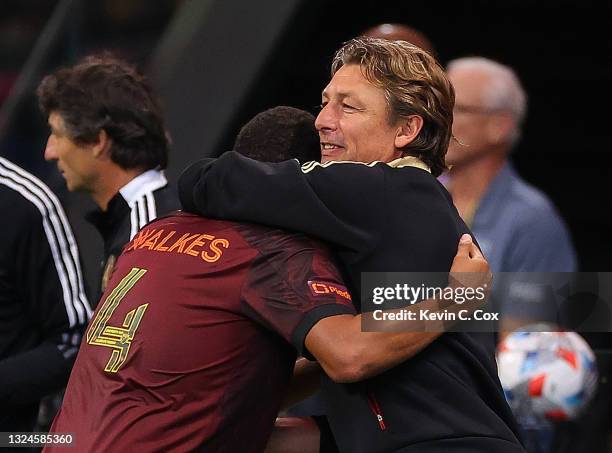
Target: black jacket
<point>43,307</point>
<point>142,200</point>
<point>380,219</point>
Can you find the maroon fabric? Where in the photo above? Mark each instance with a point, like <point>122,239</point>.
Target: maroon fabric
<point>210,359</point>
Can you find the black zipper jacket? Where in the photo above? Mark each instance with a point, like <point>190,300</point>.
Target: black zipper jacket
<point>141,201</point>
<point>379,219</point>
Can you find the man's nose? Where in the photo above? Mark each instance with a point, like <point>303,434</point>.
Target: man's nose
<point>50,152</point>
<point>327,119</point>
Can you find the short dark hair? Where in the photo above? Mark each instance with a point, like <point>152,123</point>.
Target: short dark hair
<point>278,134</point>
<point>101,92</point>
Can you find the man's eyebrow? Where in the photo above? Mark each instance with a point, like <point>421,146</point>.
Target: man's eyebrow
<point>340,94</point>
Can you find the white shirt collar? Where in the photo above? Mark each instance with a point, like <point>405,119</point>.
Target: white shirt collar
<point>148,181</point>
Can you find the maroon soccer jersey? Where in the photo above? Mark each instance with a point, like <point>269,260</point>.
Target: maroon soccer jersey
<point>190,346</point>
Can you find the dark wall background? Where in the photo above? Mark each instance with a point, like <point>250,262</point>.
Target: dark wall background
<point>561,50</point>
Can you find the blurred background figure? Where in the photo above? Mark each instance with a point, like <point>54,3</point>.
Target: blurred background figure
<point>43,306</point>
<point>37,37</point>
<point>36,34</point>
<point>516,224</point>
<point>109,141</point>
<point>400,32</point>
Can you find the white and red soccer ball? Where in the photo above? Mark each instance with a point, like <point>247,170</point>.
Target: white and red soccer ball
<point>549,375</point>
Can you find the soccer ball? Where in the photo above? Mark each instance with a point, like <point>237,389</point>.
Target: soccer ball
<point>547,375</point>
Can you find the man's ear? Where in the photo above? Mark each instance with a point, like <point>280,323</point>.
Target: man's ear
<point>102,147</point>
<point>408,130</point>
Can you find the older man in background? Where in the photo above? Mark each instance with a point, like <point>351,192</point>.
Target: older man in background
<point>516,224</point>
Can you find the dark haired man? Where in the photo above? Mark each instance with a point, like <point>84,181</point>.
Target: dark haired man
<point>109,140</point>
<point>387,115</point>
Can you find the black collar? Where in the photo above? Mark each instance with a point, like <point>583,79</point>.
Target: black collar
<point>107,222</point>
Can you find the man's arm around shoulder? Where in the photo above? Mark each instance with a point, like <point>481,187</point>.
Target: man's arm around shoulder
<point>348,354</point>
<point>338,202</point>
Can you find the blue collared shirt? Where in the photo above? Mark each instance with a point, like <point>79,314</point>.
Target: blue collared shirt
<point>519,229</point>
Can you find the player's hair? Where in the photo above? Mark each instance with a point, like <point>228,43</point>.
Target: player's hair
<point>502,92</point>
<point>278,134</point>
<point>414,84</point>
<point>101,92</point>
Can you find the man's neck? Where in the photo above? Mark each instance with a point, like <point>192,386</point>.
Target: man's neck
<point>111,182</point>
<point>469,182</point>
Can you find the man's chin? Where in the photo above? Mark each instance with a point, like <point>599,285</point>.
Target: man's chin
<point>333,157</point>
<point>452,159</point>
<point>72,187</point>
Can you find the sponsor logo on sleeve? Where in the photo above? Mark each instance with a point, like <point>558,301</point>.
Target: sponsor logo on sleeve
<point>318,288</point>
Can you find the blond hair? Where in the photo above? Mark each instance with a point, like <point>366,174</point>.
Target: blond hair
<point>414,84</point>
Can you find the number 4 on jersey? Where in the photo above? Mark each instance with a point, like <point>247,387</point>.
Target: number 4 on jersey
<point>118,339</point>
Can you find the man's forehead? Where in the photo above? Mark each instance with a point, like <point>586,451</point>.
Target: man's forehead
<point>348,81</point>
<point>56,123</point>
<point>468,73</point>
<point>55,119</point>
<point>468,83</point>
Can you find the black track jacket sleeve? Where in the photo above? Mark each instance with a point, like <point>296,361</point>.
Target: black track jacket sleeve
<point>44,306</point>
<point>339,203</point>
